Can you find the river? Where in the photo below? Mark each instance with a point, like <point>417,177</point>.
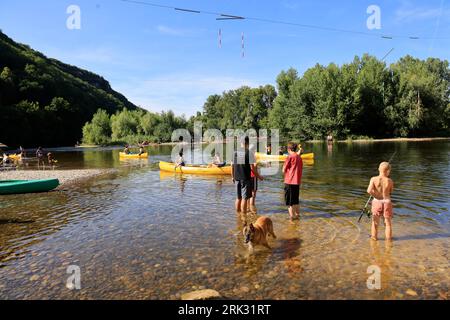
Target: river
<point>141,234</point>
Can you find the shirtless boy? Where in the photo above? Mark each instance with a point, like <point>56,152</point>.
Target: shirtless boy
<point>380,188</point>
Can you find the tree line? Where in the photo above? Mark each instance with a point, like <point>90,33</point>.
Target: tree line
<point>44,101</point>
<point>364,98</point>
<point>131,126</point>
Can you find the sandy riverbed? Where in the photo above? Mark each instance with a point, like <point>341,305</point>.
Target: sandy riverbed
<point>64,176</point>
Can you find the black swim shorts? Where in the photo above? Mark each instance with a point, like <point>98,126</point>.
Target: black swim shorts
<point>291,194</point>
<point>244,189</point>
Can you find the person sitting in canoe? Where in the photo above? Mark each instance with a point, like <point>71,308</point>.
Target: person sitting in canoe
<point>300,150</point>
<point>180,161</point>
<point>269,149</point>
<point>126,150</point>
<point>217,162</point>
<point>141,150</point>
<point>284,151</point>
<point>6,159</point>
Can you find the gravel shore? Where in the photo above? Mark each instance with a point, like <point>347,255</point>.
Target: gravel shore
<point>64,176</point>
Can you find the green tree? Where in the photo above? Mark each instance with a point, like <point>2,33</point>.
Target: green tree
<point>148,122</point>
<point>124,124</point>
<point>277,115</point>
<point>98,131</point>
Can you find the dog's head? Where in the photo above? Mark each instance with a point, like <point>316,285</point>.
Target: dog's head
<point>249,232</point>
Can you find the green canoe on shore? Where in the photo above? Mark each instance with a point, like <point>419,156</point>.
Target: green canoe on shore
<point>27,186</point>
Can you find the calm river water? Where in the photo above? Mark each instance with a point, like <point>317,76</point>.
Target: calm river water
<point>142,234</point>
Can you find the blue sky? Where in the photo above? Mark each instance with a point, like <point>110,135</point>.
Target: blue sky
<point>162,59</point>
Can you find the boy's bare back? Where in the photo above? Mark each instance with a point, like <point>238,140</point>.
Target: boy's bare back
<point>381,187</point>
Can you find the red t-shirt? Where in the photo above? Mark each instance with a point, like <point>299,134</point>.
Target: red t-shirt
<point>294,167</point>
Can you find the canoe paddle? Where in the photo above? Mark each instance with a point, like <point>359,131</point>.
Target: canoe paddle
<point>365,210</point>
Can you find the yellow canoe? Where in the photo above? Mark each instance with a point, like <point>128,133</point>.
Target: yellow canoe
<point>133,155</point>
<point>193,169</point>
<point>270,157</point>
<point>15,156</point>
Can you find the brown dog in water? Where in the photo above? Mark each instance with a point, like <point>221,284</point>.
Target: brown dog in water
<point>256,233</point>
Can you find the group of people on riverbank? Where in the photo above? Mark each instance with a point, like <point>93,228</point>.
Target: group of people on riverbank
<point>40,155</point>
<point>246,176</point>
<point>13,160</point>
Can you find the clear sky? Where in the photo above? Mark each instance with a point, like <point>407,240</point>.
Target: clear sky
<point>162,59</point>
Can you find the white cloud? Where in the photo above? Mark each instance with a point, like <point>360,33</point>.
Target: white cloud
<point>182,93</point>
<point>410,13</point>
<point>100,55</point>
<point>165,30</point>
<point>83,56</point>
<point>290,5</point>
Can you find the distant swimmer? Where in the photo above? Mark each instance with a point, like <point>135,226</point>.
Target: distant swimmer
<point>330,138</point>
<point>380,188</point>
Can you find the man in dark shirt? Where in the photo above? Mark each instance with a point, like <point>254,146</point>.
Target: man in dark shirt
<point>242,167</point>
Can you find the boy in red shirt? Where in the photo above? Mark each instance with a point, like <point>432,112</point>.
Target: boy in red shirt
<point>292,169</point>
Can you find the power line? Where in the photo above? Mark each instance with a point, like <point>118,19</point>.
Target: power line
<point>385,56</point>
<point>223,16</point>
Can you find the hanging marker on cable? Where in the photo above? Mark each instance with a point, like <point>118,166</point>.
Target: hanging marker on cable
<point>242,44</point>
<point>220,38</point>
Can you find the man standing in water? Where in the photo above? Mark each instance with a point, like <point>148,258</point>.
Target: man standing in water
<point>40,156</point>
<point>380,188</point>
<point>243,165</point>
<point>292,169</point>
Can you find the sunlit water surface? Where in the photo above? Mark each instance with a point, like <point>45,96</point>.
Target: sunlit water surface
<point>142,234</point>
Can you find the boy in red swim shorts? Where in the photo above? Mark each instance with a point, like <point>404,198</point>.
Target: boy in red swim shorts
<point>380,188</point>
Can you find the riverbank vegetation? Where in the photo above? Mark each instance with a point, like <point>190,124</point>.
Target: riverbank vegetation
<point>46,102</point>
<point>131,126</point>
<point>363,99</point>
